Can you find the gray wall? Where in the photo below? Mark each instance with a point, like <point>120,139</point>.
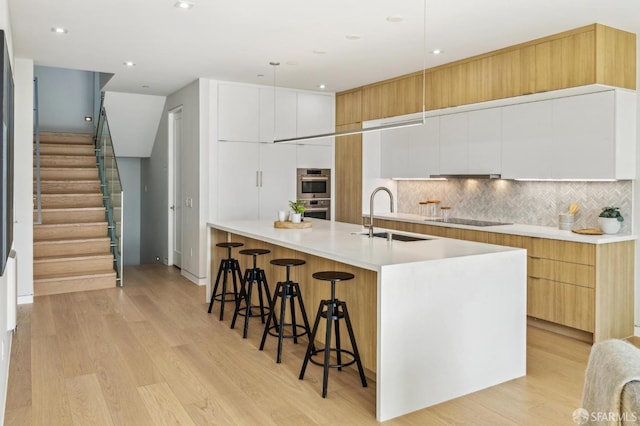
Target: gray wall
<point>65,98</point>
<point>129,169</point>
<point>154,172</point>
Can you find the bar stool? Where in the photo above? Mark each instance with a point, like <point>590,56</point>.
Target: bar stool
<point>252,276</point>
<point>286,290</point>
<point>335,310</point>
<point>228,266</point>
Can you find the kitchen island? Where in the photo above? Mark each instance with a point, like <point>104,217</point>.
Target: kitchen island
<point>434,319</point>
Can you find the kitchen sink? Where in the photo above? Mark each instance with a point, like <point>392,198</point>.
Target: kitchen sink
<point>397,237</point>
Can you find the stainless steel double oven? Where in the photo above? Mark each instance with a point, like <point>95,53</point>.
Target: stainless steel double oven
<point>314,187</point>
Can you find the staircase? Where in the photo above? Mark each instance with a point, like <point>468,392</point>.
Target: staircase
<point>71,248</point>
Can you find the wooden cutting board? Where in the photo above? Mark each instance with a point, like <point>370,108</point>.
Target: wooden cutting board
<point>588,231</point>
<point>291,225</point>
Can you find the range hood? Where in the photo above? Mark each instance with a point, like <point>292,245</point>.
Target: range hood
<point>466,176</point>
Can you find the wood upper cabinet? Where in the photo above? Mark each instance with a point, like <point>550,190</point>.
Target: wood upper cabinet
<point>349,107</point>
<point>594,54</point>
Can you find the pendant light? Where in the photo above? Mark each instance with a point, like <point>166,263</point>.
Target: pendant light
<point>394,125</point>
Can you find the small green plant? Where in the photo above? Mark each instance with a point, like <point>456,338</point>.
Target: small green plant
<point>297,206</point>
<point>612,212</point>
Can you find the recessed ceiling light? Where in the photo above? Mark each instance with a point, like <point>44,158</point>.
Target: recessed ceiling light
<point>59,30</point>
<point>87,118</point>
<point>322,86</point>
<point>129,64</point>
<point>145,86</point>
<point>183,4</point>
<point>259,75</point>
<point>436,51</point>
<point>395,18</point>
<point>353,36</point>
<point>319,51</point>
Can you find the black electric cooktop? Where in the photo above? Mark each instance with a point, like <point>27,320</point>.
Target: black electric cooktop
<point>471,222</point>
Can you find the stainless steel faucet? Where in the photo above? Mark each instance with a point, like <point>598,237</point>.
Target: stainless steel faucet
<point>373,194</point>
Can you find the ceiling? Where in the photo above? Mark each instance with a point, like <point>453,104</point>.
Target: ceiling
<point>236,39</point>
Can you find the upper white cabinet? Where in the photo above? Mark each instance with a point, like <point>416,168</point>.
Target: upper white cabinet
<point>587,136</point>
<point>284,119</point>
<point>315,115</point>
<point>470,142</point>
<point>526,141</point>
<point>485,141</point>
<point>238,113</point>
<point>249,113</point>
<point>314,156</point>
<point>410,152</point>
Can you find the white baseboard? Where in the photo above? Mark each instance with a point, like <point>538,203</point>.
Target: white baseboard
<point>193,278</point>
<point>25,300</point>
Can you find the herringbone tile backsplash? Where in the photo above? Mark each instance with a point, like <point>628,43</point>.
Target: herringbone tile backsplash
<point>530,203</point>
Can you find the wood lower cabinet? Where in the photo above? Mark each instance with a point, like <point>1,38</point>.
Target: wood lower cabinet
<point>586,287</point>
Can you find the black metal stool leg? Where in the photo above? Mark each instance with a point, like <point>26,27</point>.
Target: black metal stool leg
<point>353,345</point>
<point>272,315</point>
<point>337,326</point>
<point>261,287</point>
<point>327,350</point>
<point>242,295</point>
<point>293,313</point>
<point>304,315</point>
<point>312,338</point>
<point>215,288</point>
<point>249,297</point>
<point>283,304</point>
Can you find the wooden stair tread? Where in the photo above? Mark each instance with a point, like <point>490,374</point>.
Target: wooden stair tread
<point>72,240</point>
<point>61,225</point>
<point>70,209</point>
<point>68,258</point>
<point>67,276</point>
<point>66,138</point>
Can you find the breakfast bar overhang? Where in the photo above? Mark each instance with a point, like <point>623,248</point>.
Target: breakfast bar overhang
<point>438,318</point>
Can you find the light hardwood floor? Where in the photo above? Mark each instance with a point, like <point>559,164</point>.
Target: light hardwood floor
<point>149,354</point>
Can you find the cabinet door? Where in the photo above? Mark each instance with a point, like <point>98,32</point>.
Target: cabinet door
<point>314,156</point>
<point>394,152</point>
<point>526,141</point>
<point>583,137</point>
<point>485,142</point>
<point>238,113</point>
<point>278,178</point>
<point>315,115</point>
<point>424,149</point>
<point>285,114</point>
<point>454,142</point>
<point>238,190</point>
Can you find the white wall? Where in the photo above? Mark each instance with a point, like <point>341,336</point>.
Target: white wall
<point>129,169</point>
<point>133,121</point>
<point>65,97</point>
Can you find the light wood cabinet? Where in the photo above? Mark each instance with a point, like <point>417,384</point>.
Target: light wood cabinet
<point>349,107</point>
<point>348,176</point>
<point>579,286</point>
<point>594,54</point>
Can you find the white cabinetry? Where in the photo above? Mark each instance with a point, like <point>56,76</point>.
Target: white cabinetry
<point>587,136</point>
<point>238,113</point>
<point>314,156</point>
<point>526,141</point>
<point>315,115</point>
<point>470,142</point>
<point>255,179</point>
<point>285,114</point>
<point>410,152</point>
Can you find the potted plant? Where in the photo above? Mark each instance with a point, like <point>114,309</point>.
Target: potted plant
<point>297,207</point>
<point>609,220</point>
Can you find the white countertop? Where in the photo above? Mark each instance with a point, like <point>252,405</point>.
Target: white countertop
<point>342,242</point>
<point>515,229</point>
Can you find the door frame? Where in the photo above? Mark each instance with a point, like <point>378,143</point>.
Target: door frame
<point>170,182</point>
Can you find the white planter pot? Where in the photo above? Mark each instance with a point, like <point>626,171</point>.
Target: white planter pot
<point>296,217</point>
<point>609,225</point>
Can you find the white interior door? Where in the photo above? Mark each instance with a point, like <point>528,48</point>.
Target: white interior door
<point>176,202</point>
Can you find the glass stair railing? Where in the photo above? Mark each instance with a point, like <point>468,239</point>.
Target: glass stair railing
<point>111,189</point>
